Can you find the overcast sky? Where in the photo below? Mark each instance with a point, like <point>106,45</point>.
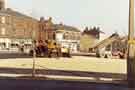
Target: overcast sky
<point>110,15</point>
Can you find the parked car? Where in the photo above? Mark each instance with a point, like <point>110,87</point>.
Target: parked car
<point>65,52</point>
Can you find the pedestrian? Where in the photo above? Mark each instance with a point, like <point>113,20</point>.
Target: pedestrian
<point>22,49</point>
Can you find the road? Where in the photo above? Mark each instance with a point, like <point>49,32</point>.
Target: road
<point>78,68</point>
<point>81,66</point>
<point>10,55</point>
<point>15,84</point>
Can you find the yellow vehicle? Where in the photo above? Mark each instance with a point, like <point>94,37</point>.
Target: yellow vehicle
<point>50,49</point>
<point>65,52</point>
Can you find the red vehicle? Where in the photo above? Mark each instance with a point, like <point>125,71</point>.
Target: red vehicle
<point>119,53</point>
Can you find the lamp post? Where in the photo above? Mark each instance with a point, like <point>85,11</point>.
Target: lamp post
<point>131,52</point>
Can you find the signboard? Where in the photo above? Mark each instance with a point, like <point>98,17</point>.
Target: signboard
<point>131,42</point>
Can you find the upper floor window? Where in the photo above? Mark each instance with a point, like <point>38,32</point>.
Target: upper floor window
<point>66,36</point>
<point>3,20</point>
<point>3,31</point>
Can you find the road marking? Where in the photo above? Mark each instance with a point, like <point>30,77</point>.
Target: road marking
<point>66,78</point>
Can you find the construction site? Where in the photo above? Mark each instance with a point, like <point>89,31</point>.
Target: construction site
<point>67,45</point>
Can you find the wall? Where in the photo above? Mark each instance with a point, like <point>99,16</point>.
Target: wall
<point>18,29</point>
<point>71,40</point>
<point>87,42</point>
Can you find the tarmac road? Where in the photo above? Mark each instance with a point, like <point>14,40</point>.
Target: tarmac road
<point>17,84</point>
<point>9,55</point>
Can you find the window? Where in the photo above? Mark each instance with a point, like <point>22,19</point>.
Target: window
<point>2,45</point>
<point>3,31</point>
<point>1,5</point>
<point>66,36</point>
<point>3,20</point>
<point>54,36</point>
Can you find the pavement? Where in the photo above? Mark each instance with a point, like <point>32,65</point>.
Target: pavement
<point>83,54</point>
<point>77,63</point>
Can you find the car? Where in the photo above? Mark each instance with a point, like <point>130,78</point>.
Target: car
<point>65,52</point>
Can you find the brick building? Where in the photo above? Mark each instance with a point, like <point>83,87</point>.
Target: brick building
<point>2,4</point>
<point>46,29</point>
<point>16,28</point>
<point>67,36</point>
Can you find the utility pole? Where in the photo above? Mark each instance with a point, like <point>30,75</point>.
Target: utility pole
<point>34,52</point>
<point>131,51</point>
<point>34,60</point>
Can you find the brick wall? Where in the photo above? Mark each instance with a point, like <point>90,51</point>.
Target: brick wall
<point>18,27</point>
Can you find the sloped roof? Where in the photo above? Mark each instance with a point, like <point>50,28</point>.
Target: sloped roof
<point>9,11</point>
<point>65,27</point>
<point>89,32</point>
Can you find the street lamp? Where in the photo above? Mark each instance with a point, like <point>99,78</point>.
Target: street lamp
<point>131,52</point>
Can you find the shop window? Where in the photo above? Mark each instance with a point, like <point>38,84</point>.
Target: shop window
<point>2,45</point>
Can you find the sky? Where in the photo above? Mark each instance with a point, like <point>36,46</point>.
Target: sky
<point>110,15</point>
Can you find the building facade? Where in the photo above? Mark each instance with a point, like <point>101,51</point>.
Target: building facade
<point>2,4</point>
<point>46,29</point>
<point>89,37</point>
<point>68,36</point>
<point>16,28</point>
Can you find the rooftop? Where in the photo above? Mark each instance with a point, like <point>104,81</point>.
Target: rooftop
<point>9,11</point>
<point>65,27</point>
<point>93,31</point>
